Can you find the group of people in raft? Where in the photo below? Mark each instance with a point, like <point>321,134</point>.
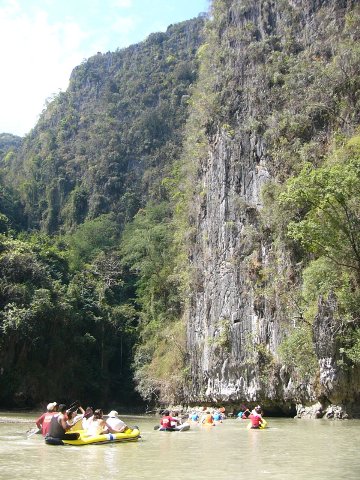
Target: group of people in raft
<point>58,420</point>
<point>170,421</point>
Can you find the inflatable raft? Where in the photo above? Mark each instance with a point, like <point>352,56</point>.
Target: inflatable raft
<point>130,435</point>
<point>180,428</point>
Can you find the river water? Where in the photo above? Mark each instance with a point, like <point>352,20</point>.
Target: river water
<point>289,449</point>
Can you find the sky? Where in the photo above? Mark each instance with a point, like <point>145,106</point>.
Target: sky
<point>41,41</point>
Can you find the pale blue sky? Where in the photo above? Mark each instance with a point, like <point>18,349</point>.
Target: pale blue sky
<point>41,41</point>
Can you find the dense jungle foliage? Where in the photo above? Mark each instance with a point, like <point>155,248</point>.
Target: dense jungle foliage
<point>97,227</point>
<point>71,297</point>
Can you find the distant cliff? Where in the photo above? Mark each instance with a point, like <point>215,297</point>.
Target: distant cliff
<point>105,144</point>
<point>8,142</point>
<point>282,87</point>
<point>10,206</point>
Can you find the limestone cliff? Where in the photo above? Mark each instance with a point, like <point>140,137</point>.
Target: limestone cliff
<point>270,110</point>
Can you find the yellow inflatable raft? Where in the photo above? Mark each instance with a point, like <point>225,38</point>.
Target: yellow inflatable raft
<point>130,435</point>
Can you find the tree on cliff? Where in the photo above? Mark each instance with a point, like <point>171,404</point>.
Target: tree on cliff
<point>326,203</point>
<point>324,206</point>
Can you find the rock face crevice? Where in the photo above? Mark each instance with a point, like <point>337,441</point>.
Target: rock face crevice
<point>227,318</point>
<point>234,329</point>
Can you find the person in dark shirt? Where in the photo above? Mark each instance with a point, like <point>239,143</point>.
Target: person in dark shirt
<point>58,428</point>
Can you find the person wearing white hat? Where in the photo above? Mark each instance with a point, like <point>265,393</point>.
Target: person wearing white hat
<point>114,424</point>
<point>43,422</point>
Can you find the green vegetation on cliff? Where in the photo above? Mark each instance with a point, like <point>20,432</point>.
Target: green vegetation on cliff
<point>323,204</point>
<point>105,144</point>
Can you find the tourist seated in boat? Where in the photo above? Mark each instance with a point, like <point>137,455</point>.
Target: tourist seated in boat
<point>58,427</point>
<point>98,424</point>
<point>167,422</point>
<point>88,418</point>
<point>194,417</point>
<point>43,422</point>
<point>256,418</point>
<point>114,424</point>
<point>208,419</point>
<point>73,415</point>
<point>176,419</point>
<point>217,416</point>
<point>244,413</point>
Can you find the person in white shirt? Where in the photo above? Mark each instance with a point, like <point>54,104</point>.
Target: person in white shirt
<point>98,425</point>
<point>88,418</point>
<point>114,424</point>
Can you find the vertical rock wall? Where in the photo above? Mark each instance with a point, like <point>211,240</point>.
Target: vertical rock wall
<point>234,333</point>
<point>223,317</point>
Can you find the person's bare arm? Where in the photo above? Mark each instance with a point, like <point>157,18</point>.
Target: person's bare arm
<point>63,423</point>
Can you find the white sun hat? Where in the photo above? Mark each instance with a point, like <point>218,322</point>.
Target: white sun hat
<point>113,413</point>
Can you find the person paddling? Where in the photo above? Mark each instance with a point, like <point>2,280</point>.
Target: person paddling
<point>244,413</point>
<point>58,428</point>
<point>194,417</point>
<point>208,419</point>
<point>167,421</point>
<point>43,422</point>
<point>218,416</point>
<point>256,418</point>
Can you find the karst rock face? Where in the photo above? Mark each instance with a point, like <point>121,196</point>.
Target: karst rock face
<point>234,329</point>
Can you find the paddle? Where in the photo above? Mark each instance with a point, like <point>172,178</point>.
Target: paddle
<point>74,406</point>
<point>32,432</point>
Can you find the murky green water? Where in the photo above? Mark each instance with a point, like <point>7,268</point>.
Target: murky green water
<point>289,449</point>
